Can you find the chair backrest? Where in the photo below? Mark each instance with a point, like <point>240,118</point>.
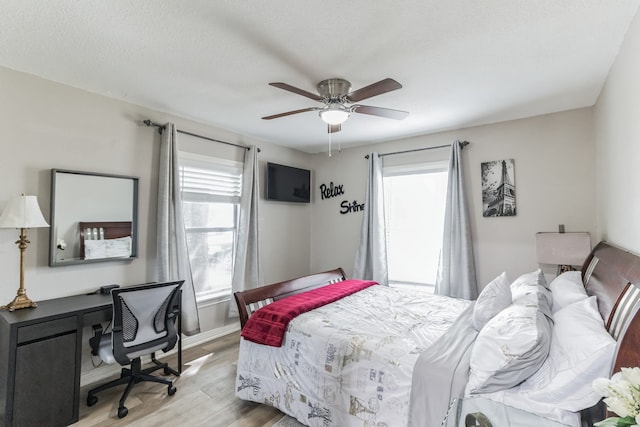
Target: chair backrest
<point>144,319</point>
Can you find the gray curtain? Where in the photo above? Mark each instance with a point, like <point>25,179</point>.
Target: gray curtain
<point>172,253</point>
<point>246,266</point>
<point>456,270</point>
<point>371,257</point>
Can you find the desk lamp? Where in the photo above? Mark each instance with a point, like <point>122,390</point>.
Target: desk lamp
<point>563,249</point>
<point>22,212</point>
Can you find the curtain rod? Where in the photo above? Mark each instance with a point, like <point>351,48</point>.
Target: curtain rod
<point>161,128</point>
<point>462,145</point>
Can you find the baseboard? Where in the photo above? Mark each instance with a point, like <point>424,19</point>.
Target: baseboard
<point>202,337</point>
<point>104,372</point>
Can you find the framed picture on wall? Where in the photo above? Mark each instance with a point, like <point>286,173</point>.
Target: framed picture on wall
<point>498,188</point>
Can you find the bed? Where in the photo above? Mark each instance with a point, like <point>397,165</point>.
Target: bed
<point>344,364</point>
<point>105,239</point>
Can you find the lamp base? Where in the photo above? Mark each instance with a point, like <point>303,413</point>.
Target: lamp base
<point>19,302</point>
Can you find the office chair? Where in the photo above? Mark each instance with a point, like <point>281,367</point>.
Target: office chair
<point>143,323</point>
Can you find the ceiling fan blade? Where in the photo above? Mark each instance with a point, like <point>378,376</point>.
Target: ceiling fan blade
<point>334,128</point>
<point>381,112</point>
<point>294,89</point>
<point>374,89</point>
<point>288,113</point>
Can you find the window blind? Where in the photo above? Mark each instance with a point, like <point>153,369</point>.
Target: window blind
<point>209,180</point>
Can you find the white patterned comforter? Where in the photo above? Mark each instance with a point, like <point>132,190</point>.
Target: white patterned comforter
<point>349,363</point>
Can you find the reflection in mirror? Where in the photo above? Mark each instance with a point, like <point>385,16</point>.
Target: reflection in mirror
<point>93,217</point>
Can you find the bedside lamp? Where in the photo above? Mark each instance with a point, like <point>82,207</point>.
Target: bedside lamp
<point>565,250</point>
<point>22,212</point>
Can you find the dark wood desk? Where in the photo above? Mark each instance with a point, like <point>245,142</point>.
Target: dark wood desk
<point>41,356</point>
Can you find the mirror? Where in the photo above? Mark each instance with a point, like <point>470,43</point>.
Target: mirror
<point>93,217</point>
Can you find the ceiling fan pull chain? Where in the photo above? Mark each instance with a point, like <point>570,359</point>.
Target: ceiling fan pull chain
<point>329,139</point>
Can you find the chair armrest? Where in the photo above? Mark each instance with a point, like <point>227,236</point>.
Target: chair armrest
<point>94,342</point>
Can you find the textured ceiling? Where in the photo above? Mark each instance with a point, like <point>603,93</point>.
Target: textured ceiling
<point>461,62</point>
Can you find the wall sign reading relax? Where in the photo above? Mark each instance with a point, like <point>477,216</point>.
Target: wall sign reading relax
<point>329,191</point>
<point>335,190</point>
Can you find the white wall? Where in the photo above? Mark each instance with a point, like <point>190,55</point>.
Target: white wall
<point>617,115</point>
<point>554,164</point>
<point>48,125</point>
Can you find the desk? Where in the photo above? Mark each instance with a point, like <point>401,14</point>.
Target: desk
<point>41,356</point>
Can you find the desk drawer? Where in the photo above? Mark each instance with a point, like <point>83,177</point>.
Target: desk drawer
<point>97,316</point>
<point>47,329</point>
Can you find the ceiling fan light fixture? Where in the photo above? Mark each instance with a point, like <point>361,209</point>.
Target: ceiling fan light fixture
<point>334,115</point>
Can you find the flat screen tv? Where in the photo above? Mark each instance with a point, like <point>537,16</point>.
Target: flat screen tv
<point>288,184</point>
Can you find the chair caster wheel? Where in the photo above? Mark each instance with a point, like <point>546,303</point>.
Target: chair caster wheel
<point>166,371</point>
<point>172,390</point>
<point>92,400</point>
<point>122,412</point>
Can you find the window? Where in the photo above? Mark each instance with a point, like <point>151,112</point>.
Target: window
<point>210,191</point>
<point>414,200</point>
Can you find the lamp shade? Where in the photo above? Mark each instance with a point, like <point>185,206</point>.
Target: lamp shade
<point>22,212</point>
<point>562,248</point>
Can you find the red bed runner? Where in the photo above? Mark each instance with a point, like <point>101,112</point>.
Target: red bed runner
<point>268,324</point>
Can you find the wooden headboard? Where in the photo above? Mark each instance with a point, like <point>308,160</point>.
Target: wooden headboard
<point>112,230</point>
<point>613,276</point>
<point>250,300</point>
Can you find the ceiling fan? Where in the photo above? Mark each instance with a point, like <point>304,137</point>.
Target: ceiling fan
<point>336,93</point>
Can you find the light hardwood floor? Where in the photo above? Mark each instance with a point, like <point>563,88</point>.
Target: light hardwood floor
<point>205,395</point>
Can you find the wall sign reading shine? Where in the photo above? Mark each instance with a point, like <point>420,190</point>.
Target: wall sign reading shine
<point>351,207</point>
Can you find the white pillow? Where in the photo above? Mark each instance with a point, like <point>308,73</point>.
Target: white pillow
<point>531,289</point>
<point>581,351</point>
<point>566,289</point>
<point>94,249</point>
<point>107,248</point>
<point>494,298</point>
<point>509,349</point>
